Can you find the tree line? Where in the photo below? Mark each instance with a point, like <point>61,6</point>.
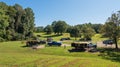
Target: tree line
<point>16,23</point>
<point>111,29</point>
<point>81,30</point>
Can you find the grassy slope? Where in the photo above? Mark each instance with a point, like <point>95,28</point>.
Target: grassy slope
<point>13,54</point>
<point>97,38</point>
<point>55,37</point>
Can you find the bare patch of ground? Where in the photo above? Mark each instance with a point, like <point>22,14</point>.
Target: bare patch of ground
<point>100,44</point>
<point>41,46</point>
<point>37,47</point>
<point>65,45</point>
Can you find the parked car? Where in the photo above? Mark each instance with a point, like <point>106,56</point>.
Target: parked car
<point>108,42</point>
<point>54,43</point>
<point>83,45</point>
<point>31,43</point>
<point>64,39</point>
<point>90,45</point>
<point>49,39</point>
<point>42,42</point>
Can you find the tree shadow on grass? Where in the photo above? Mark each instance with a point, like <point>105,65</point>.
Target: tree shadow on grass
<point>76,50</point>
<point>110,54</point>
<point>24,46</point>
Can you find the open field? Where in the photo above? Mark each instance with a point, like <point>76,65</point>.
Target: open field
<point>59,33</point>
<point>14,54</point>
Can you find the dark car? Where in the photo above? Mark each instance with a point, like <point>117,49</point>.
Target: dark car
<point>31,43</point>
<point>42,42</point>
<point>64,39</point>
<point>108,42</point>
<point>49,39</point>
<point>90,45</point>
<point>54,43</point>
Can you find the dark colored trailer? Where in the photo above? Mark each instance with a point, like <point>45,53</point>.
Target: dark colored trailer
<point>34,42</point>
<point>80,45</point>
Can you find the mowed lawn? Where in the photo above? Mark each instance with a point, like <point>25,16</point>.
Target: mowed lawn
<point>14,54</point>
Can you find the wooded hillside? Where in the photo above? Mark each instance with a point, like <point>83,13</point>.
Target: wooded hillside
<point>16,23</point>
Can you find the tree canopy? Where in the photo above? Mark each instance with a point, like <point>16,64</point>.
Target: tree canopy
<point>59,27</point>
<point>75,32</point>
<point>111,28</point>
<point>16,23</point>
<point>48,29</point>
<point>87,31</point>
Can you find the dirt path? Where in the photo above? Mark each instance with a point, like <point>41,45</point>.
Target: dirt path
<point>37,47</point>
<point>100,44</point>
<point>65,45</point>
<point>41,46</point>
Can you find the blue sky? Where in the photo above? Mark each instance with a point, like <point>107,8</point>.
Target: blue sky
<point>72,11</point>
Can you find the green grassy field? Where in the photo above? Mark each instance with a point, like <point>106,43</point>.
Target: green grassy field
<point>14,54</point>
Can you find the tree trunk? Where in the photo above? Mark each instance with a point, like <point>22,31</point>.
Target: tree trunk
<point>116,45</point>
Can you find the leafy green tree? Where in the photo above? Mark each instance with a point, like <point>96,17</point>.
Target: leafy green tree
<point>19,13</point>
<point>3,20</point>
<point>59,26</point>
<point>16,23</point>
<point>11,12</point>
<point>3,23</point>
<point>87,32</point>
<point>112,28</point>
<point>75,32</point>
<point>53,26</point>
<point>39,29</point>
<point>28,23</point>
<point>3,6</point>
<point>97,27</point>
<point>48,29</point>
<point>69,28</point>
